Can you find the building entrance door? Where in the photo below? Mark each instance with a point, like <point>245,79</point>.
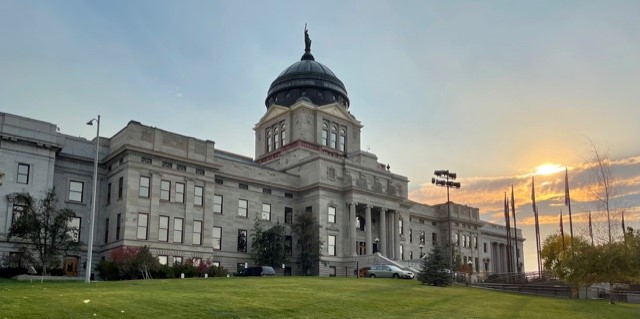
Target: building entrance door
<point>70,266</point>
<point>362,248</point>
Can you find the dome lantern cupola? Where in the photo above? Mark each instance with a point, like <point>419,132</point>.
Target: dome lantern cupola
<point>307,79</point>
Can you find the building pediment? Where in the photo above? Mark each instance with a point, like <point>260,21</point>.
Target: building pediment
<point>340,112</point>
<point>273,112</point>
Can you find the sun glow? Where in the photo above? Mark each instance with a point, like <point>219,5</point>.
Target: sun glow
<point>548,169</point>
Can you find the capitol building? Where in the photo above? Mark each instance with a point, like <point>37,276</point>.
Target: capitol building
<point>185,199</point>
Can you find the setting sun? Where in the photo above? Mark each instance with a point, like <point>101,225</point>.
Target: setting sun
<point>548,169</point>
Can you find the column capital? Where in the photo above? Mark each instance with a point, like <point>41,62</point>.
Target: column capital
<point>383,210</point>
<point>369,206</point>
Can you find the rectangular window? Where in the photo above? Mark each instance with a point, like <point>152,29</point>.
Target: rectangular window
<point>106,231</point>
<point>485,247</point>
<point>162,259</point>
<point>401,226</point>
<point>18,210</point>
<point>266,190</point>
<point>177,260</point>
<point>266,212</point>
<point>434,238</point>
<point>288,245</point>
<point>243,205</point>
<point>75,191</point>
<point>288,195</point>
<point>143,222</point>
<point>180,192</point>
<point>120,187</point>
<point>219,181</point>
<point>23,173</point>
<point>423,237</point>
<point>199,171</point>
<point>145,160</point>
<point>217,238</point>
<point>118,225</point>
<point>74,229</point>
<point>243,186</point>
<point>331,245</point>
<point>167,164</point>
<point>456,239</point>
<point>177,230</point>
<point>163,228</point>
<point>410,235</point>
<point>215,263</point>
<point>181,167</point>
<point>109,193</point>
<point>217,204</point>
<point>401,252</point>
<point>331,218</point>
<point>242,240</point>
<point>475,242</point>
<point>197,232</point>
<point>165,190</point>
<point>288,215</point>
<point>198,196</point>
<point>144,186</point>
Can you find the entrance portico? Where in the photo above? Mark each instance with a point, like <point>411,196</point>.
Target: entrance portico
<point>362,229</point>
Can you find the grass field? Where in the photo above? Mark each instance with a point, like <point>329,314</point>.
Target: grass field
<point>285,297</point>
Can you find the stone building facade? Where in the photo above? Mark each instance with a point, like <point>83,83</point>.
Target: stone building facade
<point>186,199</point>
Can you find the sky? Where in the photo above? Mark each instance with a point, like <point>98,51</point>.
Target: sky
<point>491,90</point>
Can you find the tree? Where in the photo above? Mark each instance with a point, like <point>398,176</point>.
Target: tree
<point>435,268</point>
<point>308,244</point>
<point>268,247</point>
<point>587,264</point>
<point>45,229</point>
<point>603,184</point>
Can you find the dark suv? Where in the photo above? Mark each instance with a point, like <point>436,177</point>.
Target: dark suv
<point>256,271</point>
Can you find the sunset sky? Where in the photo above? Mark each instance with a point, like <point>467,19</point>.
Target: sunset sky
<point>492,90</point>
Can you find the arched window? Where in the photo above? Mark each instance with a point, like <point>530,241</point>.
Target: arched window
<point>325,133</point>
<point>268,140</point>
<point>283,135</point>
<point>334,135</point>
<point>276,138</point>
<point>343,135</point>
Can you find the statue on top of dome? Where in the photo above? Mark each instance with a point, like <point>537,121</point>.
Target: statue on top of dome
<point>307,40</point>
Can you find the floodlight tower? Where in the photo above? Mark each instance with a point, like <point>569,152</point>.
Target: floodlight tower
<point>446,179</point>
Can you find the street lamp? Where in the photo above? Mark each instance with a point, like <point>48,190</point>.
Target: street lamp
<point>446,179</point>
<point>377,240</point>
<point>470,271</point>
<point>421,246</point>
<point>87,276</point>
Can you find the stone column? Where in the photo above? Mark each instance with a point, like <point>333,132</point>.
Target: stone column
<point>396,239</point>
<point>352,228</point>
<point>368,225</point>
<point>383,232</point>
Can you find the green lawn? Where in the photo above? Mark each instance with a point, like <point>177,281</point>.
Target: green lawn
<point>285,297</point>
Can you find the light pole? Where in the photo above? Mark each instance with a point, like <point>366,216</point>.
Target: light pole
<point>377,245</point>
<point>470,271</point>
<point>421,246</point>
<point>446,179</point>
<point>87,276</point>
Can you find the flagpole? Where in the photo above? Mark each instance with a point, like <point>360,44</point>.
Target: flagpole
<point>537,225</point>
<point>590,229</point>
<point>562,230</point>
<point>508,224</point>
<point>567,202</point>
<point>515,229</point>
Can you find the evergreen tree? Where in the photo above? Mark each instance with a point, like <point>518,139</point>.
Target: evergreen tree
<point>268,247</point>
<point>305,229</point>
<point>435,268</point>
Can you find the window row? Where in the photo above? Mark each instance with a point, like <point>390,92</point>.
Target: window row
<point>165,191</point>
<point>242,241</point>
<point>275,136</point>
<point>120,190</point>
<point>243,209</point>
<point>334,136</point>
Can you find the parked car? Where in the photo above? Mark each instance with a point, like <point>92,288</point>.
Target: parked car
<point>389,271</point>
<point>256,271</point>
